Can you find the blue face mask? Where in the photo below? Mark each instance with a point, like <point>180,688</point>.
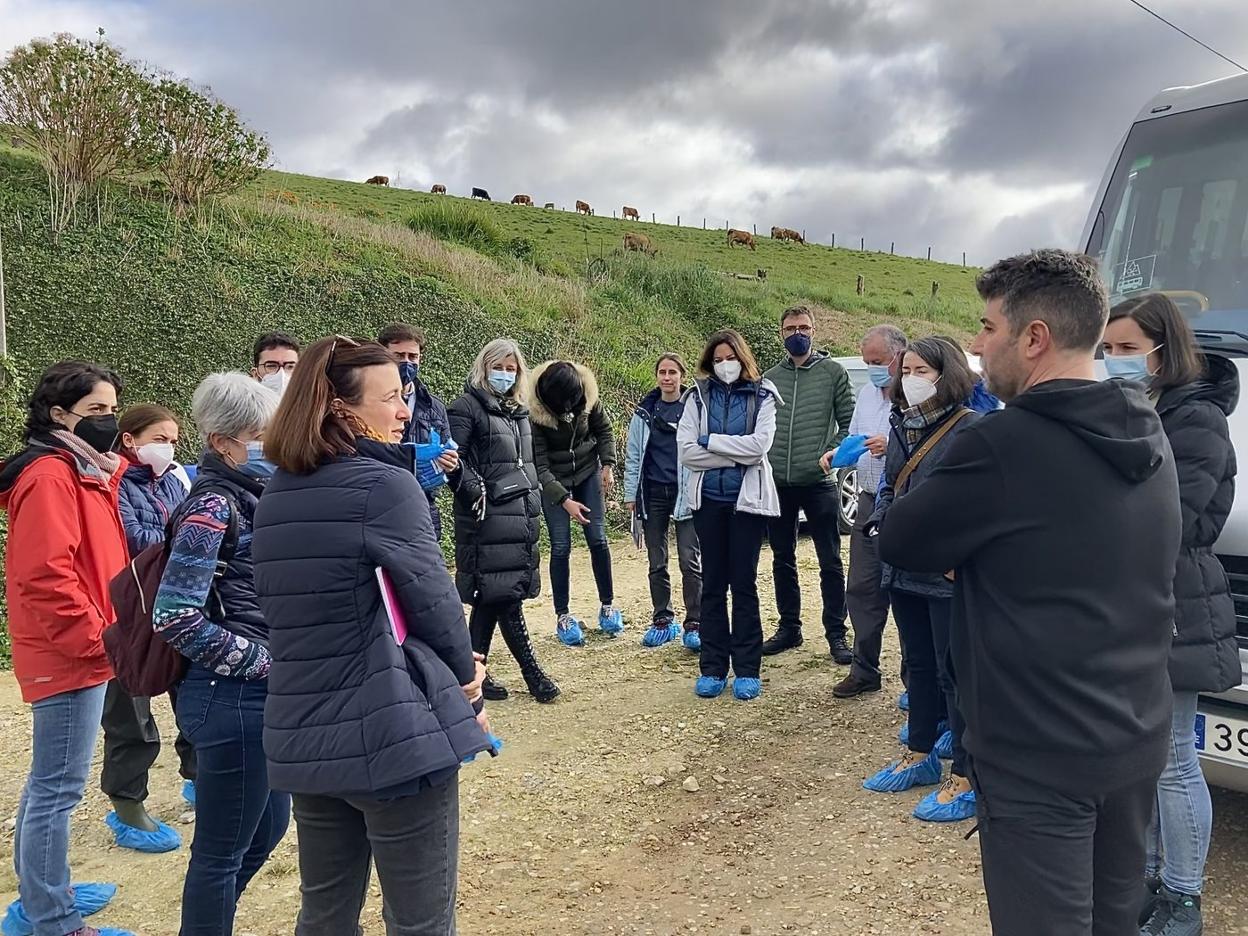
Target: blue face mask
<point>257,466</point>
<point>879,376</point>
<point>797,344</point>
<point>502,381</point>
<point>1128,367</point>
<point>408,372</point>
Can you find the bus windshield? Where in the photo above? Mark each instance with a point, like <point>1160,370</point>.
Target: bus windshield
<point>1175,216</point>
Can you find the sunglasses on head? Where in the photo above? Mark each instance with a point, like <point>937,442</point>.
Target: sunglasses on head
<point>333,348</point>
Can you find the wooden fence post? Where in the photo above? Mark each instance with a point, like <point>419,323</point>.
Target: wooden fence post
<point>929,253</point>
<point>678,220</point>
<point>935,288</point>
<point>756,230</point>
<point>862,245</point>
<point>862,284</point>
<point>613,218</point>
<point>964,259</point>
<point>892,247</point>
<point>803,234</point>
<point>652,221</point>
<point>834,238</point>
<point>704,224</point>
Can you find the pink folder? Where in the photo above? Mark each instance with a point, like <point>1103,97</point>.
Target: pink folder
<point>394,610</point>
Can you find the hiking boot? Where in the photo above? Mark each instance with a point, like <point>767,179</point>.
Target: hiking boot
<point>1175,915</point>
<point>492,690</point>
<point>786,638</point>
<point>852,686</point>
<point>842,655</point>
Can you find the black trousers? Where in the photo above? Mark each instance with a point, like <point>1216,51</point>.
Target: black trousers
<point>131,745</point>
<point>924,626</point>
<point>731,543</point>
<point>414,841</point>
<point>819,501</point>
<point>866,598</point>
<point>1062,864</point>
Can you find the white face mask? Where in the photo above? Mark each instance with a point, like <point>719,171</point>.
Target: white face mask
<point>728,371</point>
<point>156,455</point>
<point>917,389</point>
<point>276,382</point>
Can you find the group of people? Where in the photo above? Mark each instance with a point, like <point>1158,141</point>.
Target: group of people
<point>1047,564</point>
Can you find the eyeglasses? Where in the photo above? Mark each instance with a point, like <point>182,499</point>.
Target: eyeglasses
<point>333,348</point>
<point>798,330</point>
<point>272,367</point>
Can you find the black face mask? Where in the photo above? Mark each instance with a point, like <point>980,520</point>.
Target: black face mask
<point>99,432</point>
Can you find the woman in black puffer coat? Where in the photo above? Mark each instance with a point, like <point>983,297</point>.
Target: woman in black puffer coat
<point>1149,341</point>
<point>498,504</point>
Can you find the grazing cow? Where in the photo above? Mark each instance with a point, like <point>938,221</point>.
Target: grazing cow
<point>779,233</point>
<point>378,180</point>
<point>438,190</point>
<point>480,193</point>
<point>549,204</point>
<point>583,207</point>
<point>740,237</point>
<point>523,200</point>
<point>631,213</point>
<point>639,242</point>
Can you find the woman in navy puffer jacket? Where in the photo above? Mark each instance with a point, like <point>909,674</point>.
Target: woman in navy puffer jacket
<point>365,725</point>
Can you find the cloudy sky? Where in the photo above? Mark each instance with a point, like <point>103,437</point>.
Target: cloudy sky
<point>976,125</point>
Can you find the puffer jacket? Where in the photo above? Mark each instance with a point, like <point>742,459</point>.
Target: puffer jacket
<point>639,430</point>
<point>928,584</point>
<point>349,710</point>
<point>818,405</point>
<point>569,451</point>
<point>147,502</point>
<point>748,452</point>
<point>1204,656</point>
<point>428,414</point>
<point>496,552</point>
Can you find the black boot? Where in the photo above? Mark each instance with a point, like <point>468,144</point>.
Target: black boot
<point>786,638</point>
<point>492,690</point>
<point>516,634</point>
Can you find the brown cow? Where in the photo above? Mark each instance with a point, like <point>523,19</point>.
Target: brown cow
<point>549,204</point>
<point>523,200</point>
<point>779,233</point>
<point>583,207</point>
<point>378,180</point>
<point>438,190</point>
<point>740,237</point>
<point>639,242</point>
<point>631,213</point>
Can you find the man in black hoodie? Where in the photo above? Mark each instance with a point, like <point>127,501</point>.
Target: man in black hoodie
<point>1060,517</point>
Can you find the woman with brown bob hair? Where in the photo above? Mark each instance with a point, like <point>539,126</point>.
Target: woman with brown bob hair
<point>374,692</point>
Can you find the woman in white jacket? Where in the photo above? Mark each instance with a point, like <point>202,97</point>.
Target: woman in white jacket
<point>724,436</point>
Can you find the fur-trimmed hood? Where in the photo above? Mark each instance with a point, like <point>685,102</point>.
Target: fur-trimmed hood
<point>541,414</point>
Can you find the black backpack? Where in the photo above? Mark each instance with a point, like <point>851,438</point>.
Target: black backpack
<point>143,662</point>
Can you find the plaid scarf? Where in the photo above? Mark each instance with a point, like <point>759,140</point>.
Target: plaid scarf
<point>918,421</point>
<point>91,464</point>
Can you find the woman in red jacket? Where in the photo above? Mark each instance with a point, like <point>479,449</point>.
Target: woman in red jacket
<point>66,542</point>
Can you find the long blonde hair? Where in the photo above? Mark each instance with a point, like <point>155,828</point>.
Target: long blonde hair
<point>495,351</point>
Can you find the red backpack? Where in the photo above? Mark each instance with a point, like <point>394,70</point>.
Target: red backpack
<point>144,663</point>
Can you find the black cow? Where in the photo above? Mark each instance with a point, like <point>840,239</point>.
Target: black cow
<point>481,193</point>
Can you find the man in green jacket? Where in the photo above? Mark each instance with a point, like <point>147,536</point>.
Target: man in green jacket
<point>819,402</point>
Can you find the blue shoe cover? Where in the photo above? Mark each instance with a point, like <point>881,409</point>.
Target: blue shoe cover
<point>709,687</point>
<point>661,633</point>
<point>110,931</point>
<point>924,773</point>
<point>944,745</point>
<point>496,748</point>
<point>164,839</point>
<point>188,791</point>
<point>569,632</point>
<point>903,735</point>
<point>693,641</point>
<point>89,898</point>
<point>611,624</point>
<point>930,809</point>
<point>903,701</point>
<point>745,688</point>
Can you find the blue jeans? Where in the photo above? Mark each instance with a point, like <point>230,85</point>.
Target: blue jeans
<point>65,730</point>
<point>1179,837</point>
<point>559,525</point>
<point>238,819</point>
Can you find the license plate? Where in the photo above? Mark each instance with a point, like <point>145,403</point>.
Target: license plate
<point>1222,737</point>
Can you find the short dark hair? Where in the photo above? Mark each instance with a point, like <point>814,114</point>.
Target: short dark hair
<point>270,340</point>
<point>1164,324</point>
<point>63,385</point>
<point>957,381</point>
<point>1058,287</point>
<point>794,311</point>
<point>306,431</point>
<point>400,331</point>
<point>740,347</point>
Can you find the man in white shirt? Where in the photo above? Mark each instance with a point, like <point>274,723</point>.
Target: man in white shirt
<point>882,349</point>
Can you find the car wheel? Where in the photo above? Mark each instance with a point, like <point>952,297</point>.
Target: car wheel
<point>847,498</point>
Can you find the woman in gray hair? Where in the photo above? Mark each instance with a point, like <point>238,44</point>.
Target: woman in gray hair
<point>498,507</point>
<point>207,610</point>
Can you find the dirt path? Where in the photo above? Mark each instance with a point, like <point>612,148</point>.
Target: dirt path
<point>568,833</point>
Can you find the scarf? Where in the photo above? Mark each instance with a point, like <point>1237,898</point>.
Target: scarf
<point>918,421</point>
<point>91,464</point>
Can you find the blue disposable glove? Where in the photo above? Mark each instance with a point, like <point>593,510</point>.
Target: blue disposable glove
<point>849,451</point>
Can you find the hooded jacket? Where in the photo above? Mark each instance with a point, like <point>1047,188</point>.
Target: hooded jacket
<point>569,451</point>
<point>1060,515</point>
<point>819,403</point>
<point>1205,655</point>
<point>640,428</point>
<point>147,502</point>
<point>66,543</point>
